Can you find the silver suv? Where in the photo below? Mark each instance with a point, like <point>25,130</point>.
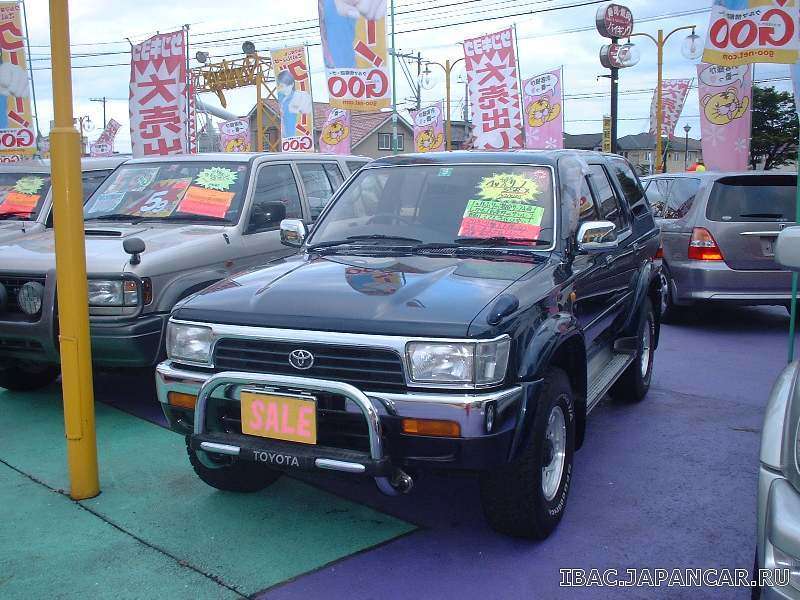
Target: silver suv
<point>157,230</point>
<point>26,199</point>
<point>718,236</point>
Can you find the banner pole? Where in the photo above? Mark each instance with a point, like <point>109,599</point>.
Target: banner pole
<point>395,140</point>
<point>795,275</point>
<point>30,71</point>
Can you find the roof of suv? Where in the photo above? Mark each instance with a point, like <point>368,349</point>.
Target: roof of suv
<point>41,165</point>
<point>542,157</point>
<point>239,157</point>
<point>715,174</point>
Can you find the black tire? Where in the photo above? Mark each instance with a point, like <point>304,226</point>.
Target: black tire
<point>28,376</point>
<point>634,383</point>
<point>513,496</point>
<point>232,475</point>
<point>670,312</point>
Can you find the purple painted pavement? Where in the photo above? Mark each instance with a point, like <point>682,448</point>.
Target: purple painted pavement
<point>669,483</point>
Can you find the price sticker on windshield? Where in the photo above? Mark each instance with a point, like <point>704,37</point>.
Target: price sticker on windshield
<point>19,203</point>
<point>162,201</point>
<point>205,202</point>
<point>486,218</point>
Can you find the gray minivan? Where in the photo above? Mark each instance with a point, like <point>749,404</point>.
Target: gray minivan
<point>26,199</point>
<point>157,230</point>
<point>718,236</point>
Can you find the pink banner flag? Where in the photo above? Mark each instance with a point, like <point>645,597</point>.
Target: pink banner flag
<point>673,98</point>
<point>335,136</point>
<point>429,128</point>
<point>494,91</point>
<point>104,146</point>
<point>725,115</point>
<point>159,98</point>
<point>544,117</point>
<point>234,136</point>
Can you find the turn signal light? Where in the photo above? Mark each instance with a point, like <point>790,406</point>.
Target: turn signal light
<point>431,427</point>
<point>659,252</point>
<point>182,400</point>
<point>703,246</point>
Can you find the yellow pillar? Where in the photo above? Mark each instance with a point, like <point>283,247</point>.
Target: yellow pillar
<point>73,311</point>
<point>659,103</point>
<point>447,68</point>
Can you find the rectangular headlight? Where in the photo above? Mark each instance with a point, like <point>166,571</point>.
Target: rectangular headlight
<point>114,292</point>
<point>467,363</point>
<point>189,343</point>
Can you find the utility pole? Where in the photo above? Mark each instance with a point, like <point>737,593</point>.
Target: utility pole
<point>73,309</point>
<point>394,87</point>
<point>614,103</point>
<point>419,74</point>
<point>103,100</point>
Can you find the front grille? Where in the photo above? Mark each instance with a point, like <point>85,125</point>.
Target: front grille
<point>368,369</point>
<point>336,428</point>
<point>13,283</point>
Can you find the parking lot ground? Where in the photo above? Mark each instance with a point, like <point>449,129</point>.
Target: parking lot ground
<point>668,483</point>
<point>155,531</point>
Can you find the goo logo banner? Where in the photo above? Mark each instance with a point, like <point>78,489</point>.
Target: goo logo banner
<point>16,134</point>
<point>354,47</point>
<point>752,31</point>
<point>294,96</point>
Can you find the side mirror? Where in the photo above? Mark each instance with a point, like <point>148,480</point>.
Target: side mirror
<point>267,215</point>
<point>787,248</point>
<point>597,236</point>
<point>293,232</point>
<point>134,246</point>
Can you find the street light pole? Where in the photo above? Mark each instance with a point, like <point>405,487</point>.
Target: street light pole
<point>687,128</point>
<point>394,87</point>
<point>103,100</point>
<point>73,310</point>
<point>447,67</point>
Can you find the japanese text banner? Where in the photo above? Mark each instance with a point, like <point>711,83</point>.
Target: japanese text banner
<point>673,98</point>
<point>725,115</point>
<point>104,146</point>
<point>354,47</point>
<point>159,98</point>
<point>234,136</point>
<point>494,91</point>
<point>544,118</point>
<point>16,133</point>
<point>741,32</point>
<point>295,99</point>
<point>335,137</point>
<point>429,128</point>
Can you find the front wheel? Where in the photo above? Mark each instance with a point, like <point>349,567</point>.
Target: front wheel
<point>527,497</point>
<point>26,376</point>
<point>634,383</point>
<point>229,474</point>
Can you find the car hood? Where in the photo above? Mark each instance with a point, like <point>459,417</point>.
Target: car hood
<point>35,253</point>
<point>405,295</point>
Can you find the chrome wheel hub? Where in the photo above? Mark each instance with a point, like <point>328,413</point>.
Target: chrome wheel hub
<point>555,453</point>
<point>647,341</point>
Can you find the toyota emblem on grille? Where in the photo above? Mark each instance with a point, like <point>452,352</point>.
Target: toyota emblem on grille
<point>301,359</point>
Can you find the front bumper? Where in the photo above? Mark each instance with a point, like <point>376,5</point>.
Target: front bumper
<point>779,513</point>
<point>137,343</point>
<point>388,448</point>
<point>695,281</point>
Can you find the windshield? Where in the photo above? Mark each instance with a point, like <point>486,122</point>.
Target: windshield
<point>171,191</point>
<point>22,195</point>
<point>506,204</point>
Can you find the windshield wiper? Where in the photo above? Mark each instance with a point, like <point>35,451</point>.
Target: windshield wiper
<point>762,215</point>
<point>361,238</point>
<point>495,241</point>
<point>116,217</point>
<point>191,218</point>
<point>15,214</point>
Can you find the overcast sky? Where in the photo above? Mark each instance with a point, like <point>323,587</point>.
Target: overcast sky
<point>546,40</point>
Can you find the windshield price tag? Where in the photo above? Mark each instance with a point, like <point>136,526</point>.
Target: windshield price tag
<point>164,198</point>
<point>29,185</point>
<point>216,178</point>
<point>19,203</point>
<point>105,203</point>
<point>486,218</point>
<point>205,202</point>
<point>133,179</point>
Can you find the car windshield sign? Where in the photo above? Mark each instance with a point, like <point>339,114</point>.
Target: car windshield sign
<point>505,205</point>
<point>170,191</point>
<point>22,195</point>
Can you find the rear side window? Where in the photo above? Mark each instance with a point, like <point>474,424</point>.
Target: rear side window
<point>628,181</point>
<point>355,165</point>
<point>318,184</point>
<point>681,197</point>
<point>657,192</point>
<point>588,211</point>
<point>753,198</point>
<point>606,198</point>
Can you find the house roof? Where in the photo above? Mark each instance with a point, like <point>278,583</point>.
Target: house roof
<point>627,143</point>
<point>583,141</point>
<point>362,124</point>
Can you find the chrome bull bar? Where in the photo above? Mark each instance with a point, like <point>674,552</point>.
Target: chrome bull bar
<point>233,378</point>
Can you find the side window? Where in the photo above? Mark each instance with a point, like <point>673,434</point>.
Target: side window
<point>319,187</point>
<point>91,181</point>
<point>628,182</point>
<point>334,174</point>
<point>657,192</point>
<point>355,166</point>
<point>681,197</point>
<point>588,208</point>
<point>275,183</point>
<point>607,201</point>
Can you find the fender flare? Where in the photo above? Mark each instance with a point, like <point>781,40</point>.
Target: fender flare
<point>643,282</point>
<point>184,285</point>
<point>558,332</point>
